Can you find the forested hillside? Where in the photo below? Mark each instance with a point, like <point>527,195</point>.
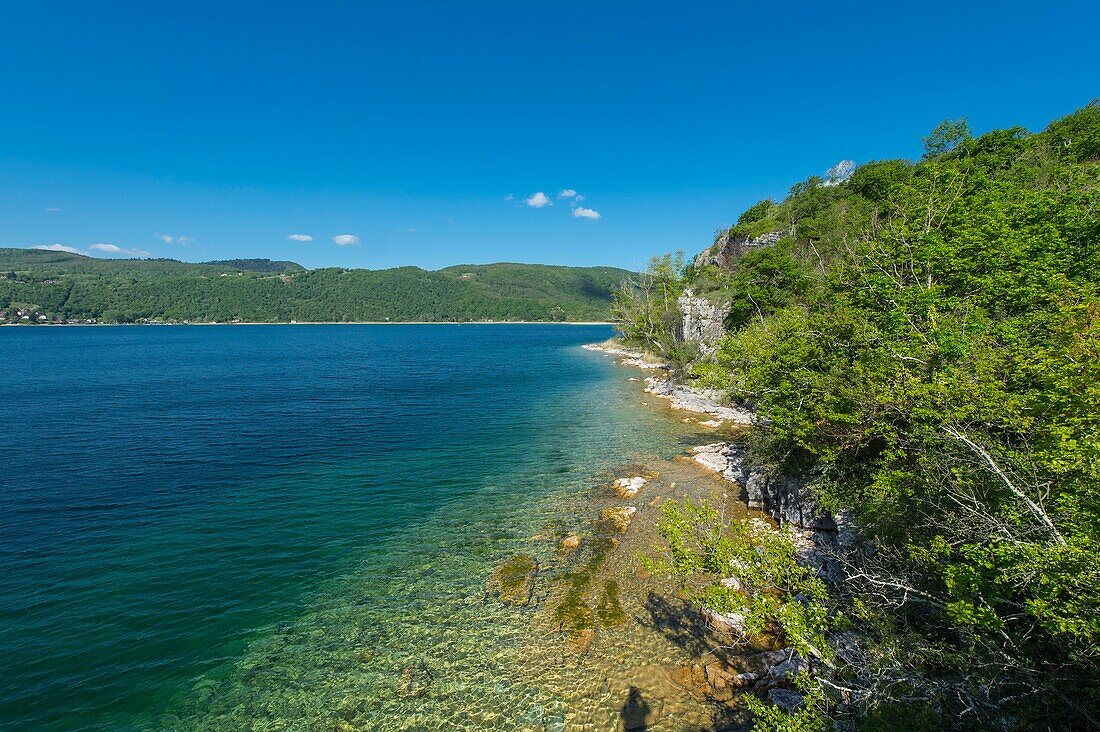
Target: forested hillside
<point>57,286</point>
<point>920,340</point>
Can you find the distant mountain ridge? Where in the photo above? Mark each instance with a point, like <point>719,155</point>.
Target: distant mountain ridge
<point>51,286</point>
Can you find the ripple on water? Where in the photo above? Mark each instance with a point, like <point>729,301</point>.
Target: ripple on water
<point>433,649</point>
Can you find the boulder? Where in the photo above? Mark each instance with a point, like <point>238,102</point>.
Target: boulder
<point>785,699</point>
<point>793,665</point>
<point>629,487</point>
<point>569,543</point>
<point>514,580</point>
<point>731,623</point>
<point>712,457</point>
<point>619,517</point>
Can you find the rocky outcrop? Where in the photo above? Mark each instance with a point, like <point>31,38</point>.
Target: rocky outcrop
<point>700,401</point>
<point>729,246</point>
<point>702,322</point>
<point>821,539</point>
<point>786,498</point>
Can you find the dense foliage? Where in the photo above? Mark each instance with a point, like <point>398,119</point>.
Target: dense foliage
<point>64,286</point>
<point>924,344</point>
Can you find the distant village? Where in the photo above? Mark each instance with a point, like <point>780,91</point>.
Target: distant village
<point>31,316</point>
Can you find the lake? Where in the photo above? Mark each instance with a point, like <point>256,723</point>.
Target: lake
<point>228,527</point>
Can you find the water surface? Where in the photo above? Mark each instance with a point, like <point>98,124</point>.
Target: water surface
<point>266,527</point>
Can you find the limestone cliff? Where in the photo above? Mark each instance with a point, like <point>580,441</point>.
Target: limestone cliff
<point>730,245</point>
<point>702,321</point>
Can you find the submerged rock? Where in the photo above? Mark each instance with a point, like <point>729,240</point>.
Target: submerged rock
<point>569,543</point>
<point>514,580</point>
<point>629,487</point>
<point>415,681</point>
<point>619,517</point>
<point>580,640</point>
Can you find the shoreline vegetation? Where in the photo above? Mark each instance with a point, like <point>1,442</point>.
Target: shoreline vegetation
<point>916,346</point>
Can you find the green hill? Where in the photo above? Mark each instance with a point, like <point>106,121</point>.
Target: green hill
<point>63,286</point>
<point>921,344</point>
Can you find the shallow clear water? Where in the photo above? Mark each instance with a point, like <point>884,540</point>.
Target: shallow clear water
<point>290,527</point>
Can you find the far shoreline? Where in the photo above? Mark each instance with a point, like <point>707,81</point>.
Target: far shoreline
<point>322,322</point>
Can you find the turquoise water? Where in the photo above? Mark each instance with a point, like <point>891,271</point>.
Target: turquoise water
<point>290,527</point>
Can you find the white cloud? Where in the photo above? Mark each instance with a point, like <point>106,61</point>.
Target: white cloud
<point>167,239</point>
<point>300,237</point>
<point>113,249</point>
<point>184,240</point>
<point>345,239</point>
<point>58,248</point>
<point>509,197</point>
<point>53,209</point>
<point>571,194</point>
<point>413,229</point>
<point>538,200</point>
<point>586,213</point>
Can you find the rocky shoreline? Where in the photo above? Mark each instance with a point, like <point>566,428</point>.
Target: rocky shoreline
<point>821,540</point>
<point>685,398</point>
<point>631,634</point>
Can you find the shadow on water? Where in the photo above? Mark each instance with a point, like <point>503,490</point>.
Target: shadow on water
<point>635,711</point>
<point>682,624</point>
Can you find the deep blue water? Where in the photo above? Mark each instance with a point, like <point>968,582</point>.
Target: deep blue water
<point>175,502</point>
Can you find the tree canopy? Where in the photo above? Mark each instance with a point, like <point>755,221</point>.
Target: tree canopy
<point>923,344</point>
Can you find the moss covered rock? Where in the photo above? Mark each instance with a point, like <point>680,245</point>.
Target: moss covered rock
<point>514,580</point>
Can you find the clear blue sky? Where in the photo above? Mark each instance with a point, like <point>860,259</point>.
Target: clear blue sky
<point>408,124</point>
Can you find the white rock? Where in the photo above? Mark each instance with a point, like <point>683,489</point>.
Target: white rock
<point>731,583</point>
<point>712,457</point>
<point>726,622</point>
<point>629,487</point>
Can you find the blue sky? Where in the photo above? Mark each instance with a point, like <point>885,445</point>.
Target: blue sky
<point>213,130</point>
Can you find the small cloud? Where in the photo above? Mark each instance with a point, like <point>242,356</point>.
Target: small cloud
<point>53,209</point>
<point>168,239</point>
<point>344,240</point>
<point>58,248</point>
<point>300,237</point>
<point>509,197</point>
<point>112,249</point>
<point>413,229</point>
<point>538,200</point>
<point>586,213</point>
<point>571,194</point>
